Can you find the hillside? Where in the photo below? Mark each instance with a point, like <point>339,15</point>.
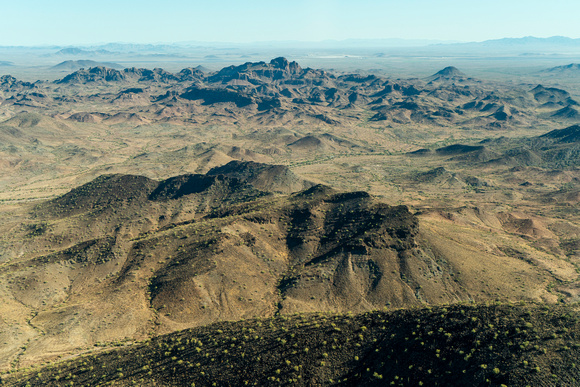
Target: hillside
<point>281,91</point>
<point>138,203</point>
<point>464,345</point>
<point>572,69</point>
<point>228,245</point>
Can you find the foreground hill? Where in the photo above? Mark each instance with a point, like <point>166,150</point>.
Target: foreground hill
<point>126,257</point>
<point>460,345</point>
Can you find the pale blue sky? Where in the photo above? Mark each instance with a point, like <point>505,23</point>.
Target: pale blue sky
<point>67,22</point>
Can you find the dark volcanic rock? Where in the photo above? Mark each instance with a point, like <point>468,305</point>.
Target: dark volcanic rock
<point>107,191</point>
<point>211,96</point>
<point>457,149</point>
<point>568,112</point>
<point>551,94</point>
<point>569,134</point>
<point>155,75</point>
<point>265,177</point>
<point>10,84</point>
<point>176,187</point>
<point>260,72</point>
<point>447,74</point>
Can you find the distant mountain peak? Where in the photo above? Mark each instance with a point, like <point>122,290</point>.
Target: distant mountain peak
<point>73,51</point>
<point>572,68</point>
<point>83,63</point>
<point>448,73</point>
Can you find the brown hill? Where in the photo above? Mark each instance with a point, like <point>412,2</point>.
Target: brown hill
<point>73,65</point>
<point>323,142</point>
<point>567,135</point>
<point>567,112</point>
<point>572,69</point>
<point>265,177</point>
<point>125,257</point>
<point>552,95</point>
<point>449,73</point>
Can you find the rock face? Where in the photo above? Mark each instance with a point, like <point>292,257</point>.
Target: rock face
<point>10,84</point>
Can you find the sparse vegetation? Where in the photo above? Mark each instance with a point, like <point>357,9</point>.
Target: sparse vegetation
<point>436,346</point>
<point>445,202</point>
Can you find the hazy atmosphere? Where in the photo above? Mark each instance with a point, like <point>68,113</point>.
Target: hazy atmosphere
<point>60,22</point>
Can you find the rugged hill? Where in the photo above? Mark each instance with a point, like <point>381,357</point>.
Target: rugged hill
<point>456,345</point>
<point>552,95</point>
<point>558,148</point>
<point>567,135</point>
<point>449,73</point>
<point>281,92</point>
<point>273,178</point>
<point>128,257</point>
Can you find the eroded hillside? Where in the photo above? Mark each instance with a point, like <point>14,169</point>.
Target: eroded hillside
<point>126,257</point>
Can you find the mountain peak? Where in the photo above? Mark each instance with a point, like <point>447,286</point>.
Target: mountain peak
<point>280,63</point>
<point>450,71</point>
<point>283,64</point>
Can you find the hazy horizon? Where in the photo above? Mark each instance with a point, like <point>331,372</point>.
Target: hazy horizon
<point>67,22</point>
<point>389,42</point>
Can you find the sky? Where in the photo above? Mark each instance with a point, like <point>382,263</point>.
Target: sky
<point>82,22</point>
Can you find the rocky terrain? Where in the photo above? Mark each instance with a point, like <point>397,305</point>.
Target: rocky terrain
<point>143,206</point>
<point>282,92</point>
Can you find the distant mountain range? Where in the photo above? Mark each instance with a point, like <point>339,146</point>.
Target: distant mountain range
<point>529,40</point>
<point>74,65</point>
<point>569,69</point>
<point>553,42</point>
<point>79,51</point>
